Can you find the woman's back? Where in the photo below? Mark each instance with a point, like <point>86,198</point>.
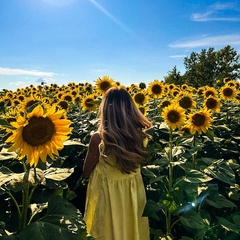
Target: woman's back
<point>115,202</point>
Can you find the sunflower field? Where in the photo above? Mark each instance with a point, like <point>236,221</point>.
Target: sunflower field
<point>192,178</point>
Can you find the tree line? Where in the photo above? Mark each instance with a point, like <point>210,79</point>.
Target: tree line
<point>206,67</point>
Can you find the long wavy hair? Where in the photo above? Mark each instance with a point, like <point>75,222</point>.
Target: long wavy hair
<point>122,128</point>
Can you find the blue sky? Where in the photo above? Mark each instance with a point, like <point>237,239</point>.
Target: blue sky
<point>132,41</point>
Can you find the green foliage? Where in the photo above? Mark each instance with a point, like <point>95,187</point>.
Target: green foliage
<point>204,68</point>
<point>193,181</point>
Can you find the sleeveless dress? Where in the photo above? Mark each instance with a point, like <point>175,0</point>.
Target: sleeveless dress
<point>115,203</point>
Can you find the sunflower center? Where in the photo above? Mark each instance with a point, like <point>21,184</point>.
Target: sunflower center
<point>209,93</point>
<point>165,103</point>
<point>156,89</point>
<point>173,116</point>
<point>104,85</point>
<point>211,103</point>
<point>63,104</point>
<point>228,92</point>
<point>198,119</point>
<point>30,103</point>
<point>139,98</point>
<point>89,103</point>
<point>68,98</point>
<point>38,131</point>
<point>185,102</point>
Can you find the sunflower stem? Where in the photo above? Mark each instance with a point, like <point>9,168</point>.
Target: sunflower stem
<point>16,204</point>
<point>25,198</point>
<point>25,204</point>
<point>194,154</point>
<point>170,184</point>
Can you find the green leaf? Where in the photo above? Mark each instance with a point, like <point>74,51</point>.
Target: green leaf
<point>5,124</point>
<point>219,201</point>
<point>147,171</point>
<point>236,220</point>
<point>221,171</point>
<point>194,176</point>
<point>228,225</point>
<point>62,221</point>
<point>10,180</point>
<point>72,142</point>
<point>5,155</point>
<point>58,174</point>
<point>151,209</point>
<point>192,220</point>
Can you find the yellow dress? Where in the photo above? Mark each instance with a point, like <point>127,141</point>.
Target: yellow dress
<point>115,203</point>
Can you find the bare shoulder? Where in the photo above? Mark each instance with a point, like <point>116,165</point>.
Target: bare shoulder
<point>95,138</point>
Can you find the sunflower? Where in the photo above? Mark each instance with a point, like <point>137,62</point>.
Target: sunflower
<point>140,98</point>
<point>156,89</point>
<point>67,97</point>
<point>87,102</point>
<point>231,83</point>
<point>186,101</point>
<point>63,104</point>
<point>227,93</point>
<point>41,133</point>
<point>104,83</point>
<point>77,99</point>
<point>29,102</point>
<point>200,91</point>
<point>200,121</point>
<point>175,91</point>
<point>174,116</point>
<point>226,79</point>
<point>186,129</point>
<point>164,103</point>
<point>184,87</point>
<point>213,104</point>
<point>142,85</point>
<point>237,97</point>
<point>210,91</point>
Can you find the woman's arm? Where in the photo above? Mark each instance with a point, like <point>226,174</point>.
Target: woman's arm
<point>92,156</point>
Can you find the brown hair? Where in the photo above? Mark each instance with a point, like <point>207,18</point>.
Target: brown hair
<point>122,128</point>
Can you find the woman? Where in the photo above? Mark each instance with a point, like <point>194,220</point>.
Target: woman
<point>116,195</point>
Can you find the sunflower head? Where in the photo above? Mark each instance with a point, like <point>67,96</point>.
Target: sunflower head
<point>88,103</point>
<point>174,116</point>
<point>142,85</point>
<point>165,103</point>
<point>210,91</point>
<point>67,97</point>
<point>63,104</point>
<point>213,104</point>
<point>186,101</point>
<point>156,89</point>
<point>186,129</point>
<point>140,98</point>
<point>104,83</point>
<point>227,93</point>
<point>40,134</point>
<point>200,121</point>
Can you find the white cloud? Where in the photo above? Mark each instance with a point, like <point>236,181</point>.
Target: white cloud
<point>217,12</point>
<point>207,41</point>
<point>16,71</point>
<point>98,70</point>
<point>19,84</point>
<point>178,56</point>
<point>43,80</point>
